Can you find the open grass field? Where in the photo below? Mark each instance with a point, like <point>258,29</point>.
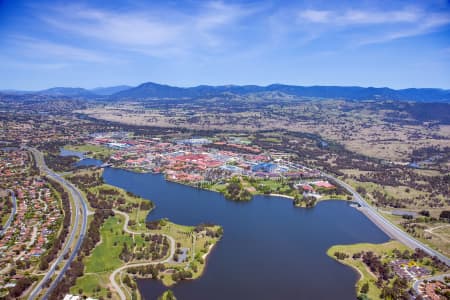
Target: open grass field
<point>104,259</point>
<point>93,284</point>
<point>105,256</point>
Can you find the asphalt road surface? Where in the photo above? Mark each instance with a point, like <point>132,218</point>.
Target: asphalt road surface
<point>81,214</point>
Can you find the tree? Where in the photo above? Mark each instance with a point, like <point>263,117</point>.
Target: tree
<point>365,288</point>
<point>445,215</point>
<point>167,295</point>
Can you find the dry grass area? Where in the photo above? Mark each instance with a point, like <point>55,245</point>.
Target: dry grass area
<point>360,129</point>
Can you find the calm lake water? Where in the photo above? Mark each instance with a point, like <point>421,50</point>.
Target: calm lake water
<point>270,250</point>
<point>84,161</point>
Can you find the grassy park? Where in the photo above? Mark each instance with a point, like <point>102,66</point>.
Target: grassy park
<point>97,152</point>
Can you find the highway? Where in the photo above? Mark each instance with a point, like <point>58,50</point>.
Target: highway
<point>81,214</point>
<point>385,225</point>
<point>13,213</point>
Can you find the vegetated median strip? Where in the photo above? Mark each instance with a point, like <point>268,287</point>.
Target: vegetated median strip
<point>77,200</point>
<point>12,214</point>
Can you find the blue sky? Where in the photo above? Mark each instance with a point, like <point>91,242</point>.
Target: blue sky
<point>103,43</point>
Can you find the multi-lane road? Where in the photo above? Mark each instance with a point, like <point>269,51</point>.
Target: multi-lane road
<point>13,213</point>
<point>385,225</point>
<point>80,210</point>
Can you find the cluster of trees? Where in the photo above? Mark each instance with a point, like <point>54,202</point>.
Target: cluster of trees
<point>126,254</point>
<point>207,227</point>
<point>398,291</point>
<point>129,282</point>
<point>157,248</point>
<point>5,208</point>
<point>445,215</point>
<point>377,266</point>
<point>60,163</point>
<point>419,255</point>
<point>364,288</point>
<point>304,201</point>
<point>52,146</point>
<point>21,286</point>
<point>425,153</point>
<point>87,180</point>
<point>76,269</point>
<point>167,295</point>
<point>179,275</point>
<point>100,201</point>
<point>151,271</point>
<point>93,235</point>
<point>341,255</point>
<point>235,191</point>
<point>154,225</point>
<point>58,242</point>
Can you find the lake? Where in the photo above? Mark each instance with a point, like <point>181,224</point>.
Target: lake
<point>84,161</point>
<point>270,249</point>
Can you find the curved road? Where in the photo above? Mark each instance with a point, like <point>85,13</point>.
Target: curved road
<point>81,213</point>
<point>13,213</point>
<point>385,225</point>
<point>116,271</point>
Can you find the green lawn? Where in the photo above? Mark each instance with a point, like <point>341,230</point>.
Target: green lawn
<point>105,256</point>
<point>89,284</point>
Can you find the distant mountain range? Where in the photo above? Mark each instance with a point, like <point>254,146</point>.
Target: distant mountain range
<point>106,91</point>
<point>150,90</point>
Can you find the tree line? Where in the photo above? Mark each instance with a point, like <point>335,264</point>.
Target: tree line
<point>59,241</point>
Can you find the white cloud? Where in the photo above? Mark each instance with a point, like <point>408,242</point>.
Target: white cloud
<point>158,32</point>
<point>359,17</point>
<point>33,47</point>
<point>379,26</point>
<point>315,16</point>
<point>434,22</point>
